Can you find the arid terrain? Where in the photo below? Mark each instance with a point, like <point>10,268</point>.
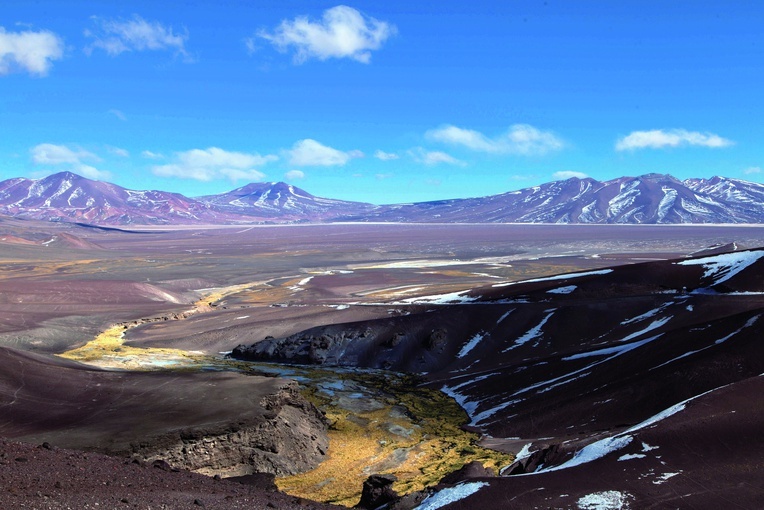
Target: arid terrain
<point>540,352</point>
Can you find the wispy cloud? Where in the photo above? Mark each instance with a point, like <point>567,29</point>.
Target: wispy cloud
<point>118,114</point>
<point>662,138</point>
<point>309,152</point>
<point>135,34</point>
<point>250,44</point>
<point>342,32</point>
<point>522,177</point>
<point>751,170</point>
<point>294,175</point>
<point>521,139</point>
<point>29,51</point>
<point>385,156</point>
<point>569,174</point>
<point>50,154</point>
<point>118,151</point>
<point>432,158</point>
<point>152,155</point>
<point>214,163</point>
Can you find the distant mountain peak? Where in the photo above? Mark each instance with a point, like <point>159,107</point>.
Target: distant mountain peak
<point>65,175</point>
<point>648,198</point>
<point>279,201</point>
<point>260,188</point>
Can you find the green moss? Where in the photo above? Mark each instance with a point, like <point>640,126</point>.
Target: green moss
<point>363,442</point>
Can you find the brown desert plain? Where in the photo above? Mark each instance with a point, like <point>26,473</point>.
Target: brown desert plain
<point>381,365</point>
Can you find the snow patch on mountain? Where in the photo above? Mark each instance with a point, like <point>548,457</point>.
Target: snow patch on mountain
<point>471,344</point>
<point>451,495</point>
<point>531,333</point>
<point>723,267</point>
<point>605,500</point>
<point>565,276</point>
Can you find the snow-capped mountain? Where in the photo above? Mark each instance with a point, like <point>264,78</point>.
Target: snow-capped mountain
<point>651,198</point>
<point>282,202</point>
<point>69,197</point>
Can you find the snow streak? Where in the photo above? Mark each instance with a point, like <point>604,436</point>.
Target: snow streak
<point>556,277</point>
<point>531,333</point>
<point>725,266</point>
<point>471,344</point>
<point>451,495</point>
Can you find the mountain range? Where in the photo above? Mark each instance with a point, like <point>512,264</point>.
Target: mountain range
<point>647,199</point>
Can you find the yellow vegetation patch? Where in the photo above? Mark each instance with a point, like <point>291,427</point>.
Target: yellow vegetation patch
<point>413,434</point>
<point>107,350</point>
<point>216,295</point>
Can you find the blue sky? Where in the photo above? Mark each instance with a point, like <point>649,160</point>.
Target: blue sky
<point>380,101</point>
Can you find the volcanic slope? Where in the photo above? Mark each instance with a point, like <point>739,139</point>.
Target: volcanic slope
<point>646,199</point>
<point>281,202</point>
<point>70,197</point>
<point>564,366</point>
<point>214,423</point>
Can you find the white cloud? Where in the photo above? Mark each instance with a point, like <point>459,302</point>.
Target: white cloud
<point>385,156</point>
<point>214,163</point>
<point>660,138</point>
<point>432,158</point>
<point>91,172</point>
<point>342,32</point>
<point>251,45</point>
<point>52,154</point>
<point>117,151</point>
<point>29,51</point>
<point>309,152</point>
<point>118,114</point>
<point>136,34</point>
<point>568,174</point>
<point>152,155</point>
<point>521,139</point>
<point>294,175</point>
<point>752,170</point>
<point>436,157</point>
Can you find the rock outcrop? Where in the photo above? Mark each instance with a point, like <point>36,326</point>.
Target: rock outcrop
<point>326,347</point>
<point>292,439</point>
<point>378,491</point>
<point>213,423</point>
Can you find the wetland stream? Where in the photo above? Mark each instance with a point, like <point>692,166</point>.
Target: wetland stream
<point>379,422</point>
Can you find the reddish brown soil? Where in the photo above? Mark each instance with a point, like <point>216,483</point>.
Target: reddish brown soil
<point>47,477</point>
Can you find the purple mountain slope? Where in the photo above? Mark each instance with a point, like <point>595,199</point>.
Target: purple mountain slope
<point>649,199</point>
<point>69,197</point>
<point>278,201</point>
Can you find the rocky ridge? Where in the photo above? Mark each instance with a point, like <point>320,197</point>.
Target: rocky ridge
<point>291,439</point>
<point>213,423</point>
<point>645,199</point>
